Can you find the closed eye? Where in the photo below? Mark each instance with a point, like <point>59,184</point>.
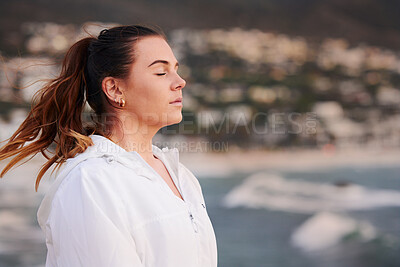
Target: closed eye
<point>160,74</point>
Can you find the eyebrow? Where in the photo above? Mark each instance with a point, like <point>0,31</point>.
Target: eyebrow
<point>163,62</point>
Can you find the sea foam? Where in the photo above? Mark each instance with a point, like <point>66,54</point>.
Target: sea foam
<point>274,192</point>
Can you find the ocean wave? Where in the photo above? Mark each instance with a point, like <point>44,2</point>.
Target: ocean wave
<point>274,192</point>
<point>325,230</point>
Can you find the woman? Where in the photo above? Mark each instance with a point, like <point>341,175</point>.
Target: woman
<point>119,200</point>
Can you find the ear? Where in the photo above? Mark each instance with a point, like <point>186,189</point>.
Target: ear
<point>111,88</point>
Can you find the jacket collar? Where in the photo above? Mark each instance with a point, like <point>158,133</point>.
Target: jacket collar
<point>104,147</point>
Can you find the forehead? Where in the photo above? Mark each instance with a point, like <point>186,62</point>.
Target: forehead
<point>152,48</point>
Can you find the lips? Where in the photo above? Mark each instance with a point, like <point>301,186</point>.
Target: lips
<point>178,100</point>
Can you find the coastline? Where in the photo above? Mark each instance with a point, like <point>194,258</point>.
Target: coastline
<point>222,164</point>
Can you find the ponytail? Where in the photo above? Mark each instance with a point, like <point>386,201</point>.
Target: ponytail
<point>55,116</point>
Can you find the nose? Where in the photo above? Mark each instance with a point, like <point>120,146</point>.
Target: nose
<point>180,83</point>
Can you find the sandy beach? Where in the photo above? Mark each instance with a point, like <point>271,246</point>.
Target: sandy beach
<point>242,161</point>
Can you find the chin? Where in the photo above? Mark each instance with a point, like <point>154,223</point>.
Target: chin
<point>174,119</point>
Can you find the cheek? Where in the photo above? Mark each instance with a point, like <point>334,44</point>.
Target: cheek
<point>156,93</point>
<point>151,98</point>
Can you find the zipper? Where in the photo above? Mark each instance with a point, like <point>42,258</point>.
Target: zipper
<point>194,224</point>
<point>196,236</point>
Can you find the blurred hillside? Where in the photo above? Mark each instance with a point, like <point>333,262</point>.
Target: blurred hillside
<point>261,74</point>
<point>271,91</point>
<point>375,22</point>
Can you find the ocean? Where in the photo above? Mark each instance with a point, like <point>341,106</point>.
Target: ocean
<point>338,216</point>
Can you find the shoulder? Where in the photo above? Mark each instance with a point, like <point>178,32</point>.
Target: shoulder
<point>86,199</point>
<point>98,177</point>
<point>92,185</point>
<point>89,169</point>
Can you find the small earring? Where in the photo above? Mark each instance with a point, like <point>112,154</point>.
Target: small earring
<point>122,103</point>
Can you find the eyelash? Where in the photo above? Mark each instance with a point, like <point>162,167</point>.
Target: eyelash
<point>160,74</point>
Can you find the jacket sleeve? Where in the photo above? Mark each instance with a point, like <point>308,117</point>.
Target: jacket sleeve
<point>87,226</point>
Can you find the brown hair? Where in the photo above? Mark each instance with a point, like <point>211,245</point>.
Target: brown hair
<point>56,116</point>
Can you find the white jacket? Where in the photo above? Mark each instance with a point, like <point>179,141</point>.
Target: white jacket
<point>108,207</point>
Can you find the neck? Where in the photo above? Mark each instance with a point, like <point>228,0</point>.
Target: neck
<point>138,137</point>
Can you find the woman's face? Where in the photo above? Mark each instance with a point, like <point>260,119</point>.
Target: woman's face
<point>153,84</point>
